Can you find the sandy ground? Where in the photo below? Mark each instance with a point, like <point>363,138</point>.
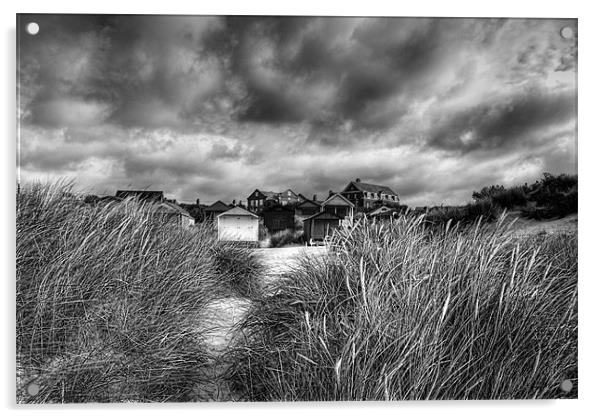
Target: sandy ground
<point>523,226</point>
<point>278,261</point>
<point>222,316</point>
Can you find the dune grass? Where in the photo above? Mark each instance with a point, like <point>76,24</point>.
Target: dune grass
<point>403,311</point>
<point>286,237</point>
<point>109,299</point>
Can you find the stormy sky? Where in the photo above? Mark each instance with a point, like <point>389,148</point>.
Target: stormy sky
<point>213,107</point>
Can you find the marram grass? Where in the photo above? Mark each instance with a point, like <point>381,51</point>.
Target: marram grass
<point>109,299</point>
<point>402,311</point>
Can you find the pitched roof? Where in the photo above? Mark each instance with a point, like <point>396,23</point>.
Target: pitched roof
<point>283,193</point>
<point>339,196</point>
<point>169,207</point>
<point>140,194</point>
<point>237,211</point>
<point>218,206</point>
<point>305,199</point>
<point>372,188</point>
<point>266,193</point>
<point>323,215</point>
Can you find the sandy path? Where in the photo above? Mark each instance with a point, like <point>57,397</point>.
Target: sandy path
<point>221,317</point>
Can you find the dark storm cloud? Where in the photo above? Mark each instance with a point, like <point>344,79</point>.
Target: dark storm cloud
<point>501,124</point>
<point>431,107</point>
<point>364,63</point>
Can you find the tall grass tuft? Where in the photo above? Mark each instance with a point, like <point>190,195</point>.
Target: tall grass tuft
<point>109,299</point>
<point>286,237</point>
<point>401,311</point>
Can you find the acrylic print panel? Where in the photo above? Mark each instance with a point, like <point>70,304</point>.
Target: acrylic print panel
<point>221,208</point>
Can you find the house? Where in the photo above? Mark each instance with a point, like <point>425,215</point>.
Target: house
<point>320,225</point>
<point>260,199</point>
<point>338,205</point>
<point>196,210</point>
<point>238,224</point>
<point>306,207</point>
<point>142,195</point>
<point>287,197</point>
<point>369,196</point>
<point>278,218</point>
<point>217,208</point>
<point>172,213</point>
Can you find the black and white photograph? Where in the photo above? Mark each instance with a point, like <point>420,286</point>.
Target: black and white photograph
<point>254,208</point>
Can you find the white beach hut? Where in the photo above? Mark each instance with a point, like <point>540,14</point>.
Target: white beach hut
<point>238,224</point>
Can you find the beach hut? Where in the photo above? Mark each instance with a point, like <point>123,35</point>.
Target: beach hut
<point>238,224</point>
<point>321,225</point>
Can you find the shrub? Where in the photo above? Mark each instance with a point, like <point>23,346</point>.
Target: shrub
<point>483,209</point>
<point>239,269</point>
<point>285,237</point>
<point>556,195</point>
<point>552,196</point>
<point>108,299</point>
<point>510,198</point>
<point>488,192</point>
<point>405,312</point>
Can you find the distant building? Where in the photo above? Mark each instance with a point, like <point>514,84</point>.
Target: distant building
<point>211,212</point>
<point>307,207</point>
<point>368,196</point>
<point>319,226</point>
<point>196,210</point>
<point>160,208</point>
<point>143,195</point>
<point>287,197</point>
<point>338,205</point>
<point>238,224</point>
<point>261,199</point>
<point>172,213</point>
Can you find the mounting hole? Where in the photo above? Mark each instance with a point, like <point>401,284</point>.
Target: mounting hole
<point>566,385</point>
<point>567,32</point>
<point>33,389</point>
<point>32,28</point>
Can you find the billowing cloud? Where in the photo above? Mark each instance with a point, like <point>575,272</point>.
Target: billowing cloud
<point>213,106</point>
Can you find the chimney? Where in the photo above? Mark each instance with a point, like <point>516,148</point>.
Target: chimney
<point>198,201</point>
<point>358,180</point>
<point>315,197</point>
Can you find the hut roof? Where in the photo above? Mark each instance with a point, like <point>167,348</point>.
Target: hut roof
<point>237,211</point>
<point>218,206</point>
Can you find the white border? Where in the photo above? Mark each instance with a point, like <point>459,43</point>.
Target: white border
<point>589,229</point>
